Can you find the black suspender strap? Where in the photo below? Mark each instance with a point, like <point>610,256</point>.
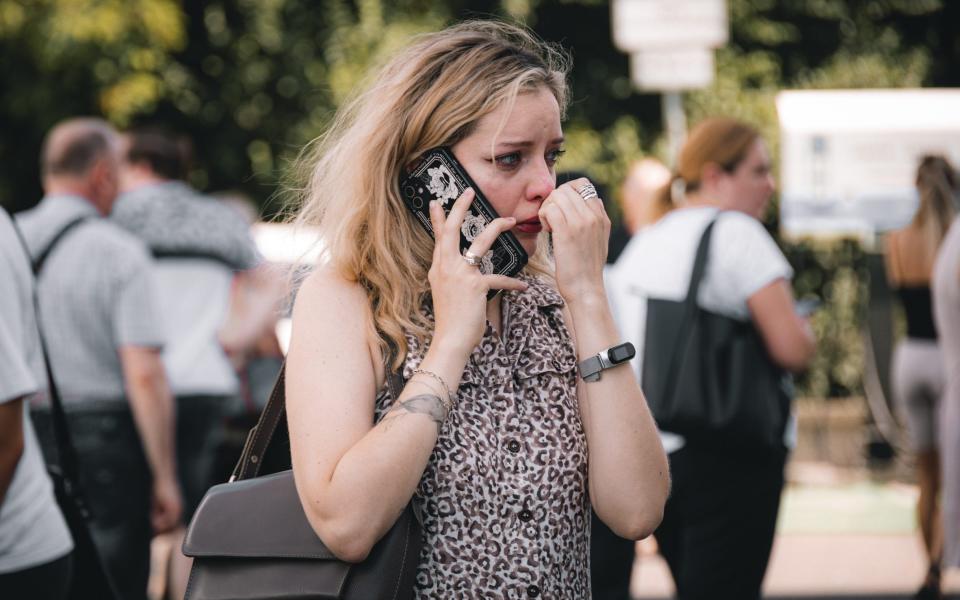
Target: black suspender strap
<point>41,258</point>
<point>65,450</point>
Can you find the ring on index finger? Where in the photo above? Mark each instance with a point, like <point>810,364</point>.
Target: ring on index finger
<point>472,259</point>
<point>588,191</point>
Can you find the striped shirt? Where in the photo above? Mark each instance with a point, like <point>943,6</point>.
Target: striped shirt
<point>97,294</point>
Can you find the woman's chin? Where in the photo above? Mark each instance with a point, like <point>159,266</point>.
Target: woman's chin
<point>529,242</point>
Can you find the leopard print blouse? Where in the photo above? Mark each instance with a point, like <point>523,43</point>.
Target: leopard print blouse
<point>504,495</point>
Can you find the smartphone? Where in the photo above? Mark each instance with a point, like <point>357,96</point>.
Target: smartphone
<point>437,175</point>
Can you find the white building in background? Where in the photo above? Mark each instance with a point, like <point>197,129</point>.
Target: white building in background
<point>848,157</point>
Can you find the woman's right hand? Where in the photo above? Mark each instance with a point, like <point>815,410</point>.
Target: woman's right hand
<point>459,289</point>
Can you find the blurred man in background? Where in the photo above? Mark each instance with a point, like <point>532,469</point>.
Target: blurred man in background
<point>98,307</point>
<point>641,195</point>
<point>198,244</point>
<point>35,557</point>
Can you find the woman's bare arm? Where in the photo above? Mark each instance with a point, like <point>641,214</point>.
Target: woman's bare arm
<point>629,473</point>
<point>353,478</point>
<point>786,335</point>
<point>629,476</point>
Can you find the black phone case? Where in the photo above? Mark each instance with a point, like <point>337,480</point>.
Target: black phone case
<point>438,176</point>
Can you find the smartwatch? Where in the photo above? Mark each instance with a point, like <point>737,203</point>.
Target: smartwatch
<point>590,369</point>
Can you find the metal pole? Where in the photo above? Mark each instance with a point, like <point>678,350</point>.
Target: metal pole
<point>676,122</point>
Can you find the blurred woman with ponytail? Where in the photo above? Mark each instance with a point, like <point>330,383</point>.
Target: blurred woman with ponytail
<point>719,521</point>
<point>918,372</point>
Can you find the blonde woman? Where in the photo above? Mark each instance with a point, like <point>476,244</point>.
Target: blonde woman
<point>496,437</point>
<point>918,372</point>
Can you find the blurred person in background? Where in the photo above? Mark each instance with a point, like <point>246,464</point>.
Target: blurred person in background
<point>644,197</point>
<point>35,544</point>
<point>98,307</point>
<point>946,305</point>
<point>720,519</point>
<point>249,331</point>
<point>198,244</point>
<point>249,337</point>
<point>918,373</point>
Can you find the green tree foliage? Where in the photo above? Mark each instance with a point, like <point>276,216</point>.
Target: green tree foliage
<point>253,80</point>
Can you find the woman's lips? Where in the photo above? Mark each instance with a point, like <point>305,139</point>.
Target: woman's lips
<point>531,226</point>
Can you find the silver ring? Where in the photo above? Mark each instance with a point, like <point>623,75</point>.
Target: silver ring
<point>472,259</point>
<point>588,191</point>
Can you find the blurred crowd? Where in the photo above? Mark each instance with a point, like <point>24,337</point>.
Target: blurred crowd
<point>158,317</point>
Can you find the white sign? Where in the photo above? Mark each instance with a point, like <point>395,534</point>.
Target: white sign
<point>848,158</point>
<point>644,24</point>
<point>672,70</point>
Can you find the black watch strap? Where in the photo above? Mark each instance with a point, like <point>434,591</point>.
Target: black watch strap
<point>591,368</point>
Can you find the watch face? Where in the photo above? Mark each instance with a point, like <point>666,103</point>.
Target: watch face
<point>621,353</point>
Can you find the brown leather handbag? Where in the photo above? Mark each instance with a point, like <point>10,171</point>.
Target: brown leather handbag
<point>250,538</point>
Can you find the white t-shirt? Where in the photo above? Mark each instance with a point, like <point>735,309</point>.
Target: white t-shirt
<point>97,294</point>
<point>194,294</point>
<point>32,529</point>
<point>658,262</point>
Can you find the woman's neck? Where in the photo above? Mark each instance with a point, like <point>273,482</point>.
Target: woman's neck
<point>697,200</point>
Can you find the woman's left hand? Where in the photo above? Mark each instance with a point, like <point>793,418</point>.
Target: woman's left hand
<point>581,233</point>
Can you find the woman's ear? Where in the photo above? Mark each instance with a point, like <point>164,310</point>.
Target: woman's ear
<point>710,174</point>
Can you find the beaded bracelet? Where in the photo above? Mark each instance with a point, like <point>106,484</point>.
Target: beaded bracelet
<point>443,385</point>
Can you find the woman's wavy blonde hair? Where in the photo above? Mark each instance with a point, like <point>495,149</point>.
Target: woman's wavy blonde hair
<point>937,186</point>
<point>431,94</point>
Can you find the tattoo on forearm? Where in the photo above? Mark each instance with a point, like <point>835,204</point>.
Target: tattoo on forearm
<point>426,404</point>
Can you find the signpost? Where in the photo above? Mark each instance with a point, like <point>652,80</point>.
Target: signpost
<point>643,24</point>
<point>671,49</point>
<point>672,69</point>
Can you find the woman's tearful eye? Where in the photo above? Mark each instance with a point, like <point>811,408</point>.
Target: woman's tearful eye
<point>508,161</point>
<point>554,156</point>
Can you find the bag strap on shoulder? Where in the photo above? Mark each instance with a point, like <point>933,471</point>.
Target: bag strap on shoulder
<point>700,264</point>
<point>260,437</point>
<point>66,452</point>
<point>37,263</point>
<point>690,306</point>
